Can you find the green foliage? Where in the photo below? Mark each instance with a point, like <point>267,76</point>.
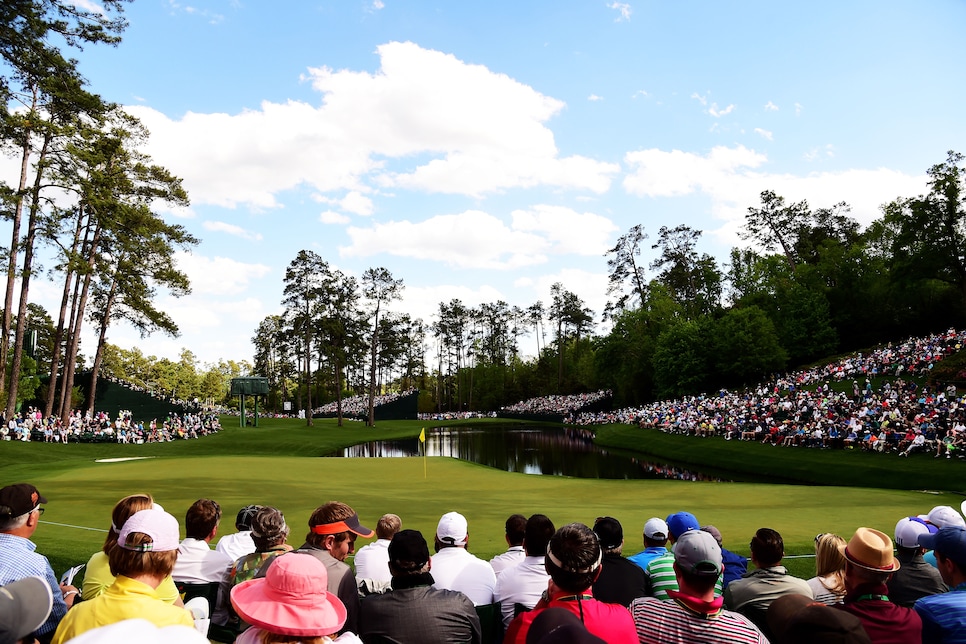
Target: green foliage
<point>683,359</point>
<point>745,347</point>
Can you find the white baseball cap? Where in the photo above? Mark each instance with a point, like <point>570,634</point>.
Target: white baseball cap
<point>656,529</point>
<point>452,528</point>
<point>908,530</point>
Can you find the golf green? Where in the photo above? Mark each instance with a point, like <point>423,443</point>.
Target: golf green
<point>82,491</point>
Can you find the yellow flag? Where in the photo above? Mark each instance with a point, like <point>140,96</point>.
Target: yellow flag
<point>422,435</point>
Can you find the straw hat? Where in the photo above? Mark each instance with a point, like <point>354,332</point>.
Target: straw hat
<point>871,550</point>
<point>291,599</point>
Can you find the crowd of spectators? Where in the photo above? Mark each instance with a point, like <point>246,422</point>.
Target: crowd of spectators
<point>557,405</point>
<point>358,406</point>
<point>867,401</point>
<point>100,427</point>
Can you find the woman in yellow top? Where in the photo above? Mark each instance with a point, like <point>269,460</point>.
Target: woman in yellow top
<point>97,573</point>
<point>144,555</point>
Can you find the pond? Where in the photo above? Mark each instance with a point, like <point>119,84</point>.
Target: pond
<point>531,450</point>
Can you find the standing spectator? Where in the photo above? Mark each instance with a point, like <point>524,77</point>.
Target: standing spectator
<point>828,584</point>
<point>573,561</point>
<point>416,611</point>
<point>372,561</point>
<point>524,583</point>
<point>620,581</point>
<point>516,525</point>
<point>197,562</point>
<point>240,543</point>
<point>694,615</point>
<point>944,615</point>
<point>333,529</point>
<point>869,564</point>
<point>20,510</point>
<point>915,578</point>
<point>455,568</point>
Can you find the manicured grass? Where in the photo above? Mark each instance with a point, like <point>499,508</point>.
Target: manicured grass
<point>276,464</point>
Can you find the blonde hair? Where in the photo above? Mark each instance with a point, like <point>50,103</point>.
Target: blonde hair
<point>830,559</point>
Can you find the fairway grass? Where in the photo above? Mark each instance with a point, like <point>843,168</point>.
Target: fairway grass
<point>281,463</point>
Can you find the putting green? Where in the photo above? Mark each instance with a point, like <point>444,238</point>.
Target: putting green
<point>81,493</point>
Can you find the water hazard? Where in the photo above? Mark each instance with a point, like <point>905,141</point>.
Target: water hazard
<point>531,450</point>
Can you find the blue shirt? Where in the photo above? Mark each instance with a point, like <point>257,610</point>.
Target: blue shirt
<point>944,616</point>
<point>645,556</point>
<point>18,560</point>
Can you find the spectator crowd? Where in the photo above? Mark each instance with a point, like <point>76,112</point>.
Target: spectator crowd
<point>575,583</point>
<point>100,427</point>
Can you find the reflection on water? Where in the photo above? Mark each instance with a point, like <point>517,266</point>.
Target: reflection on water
<point>558,451</point>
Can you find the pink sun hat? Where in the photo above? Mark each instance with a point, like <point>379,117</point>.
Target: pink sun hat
<point>291,599</point>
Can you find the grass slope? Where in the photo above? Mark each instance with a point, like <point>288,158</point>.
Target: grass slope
<point>277,463</point>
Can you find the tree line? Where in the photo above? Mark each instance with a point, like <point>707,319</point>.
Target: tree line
<point>85,198</point>
<point>811,283</point>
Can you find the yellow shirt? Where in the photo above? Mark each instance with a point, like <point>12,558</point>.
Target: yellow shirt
<point>124,599</point>
<point>97,577</point>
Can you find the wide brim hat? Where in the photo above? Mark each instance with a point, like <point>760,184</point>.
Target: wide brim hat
<point>291,599</point>
<point>871,550</point>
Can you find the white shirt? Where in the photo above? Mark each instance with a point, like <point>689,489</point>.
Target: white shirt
<point>236,545</point>
<point>522,584</point>
<point>372,561</point>
<point>197,562</point>
<point>508,559</point>
<point>456,569</point>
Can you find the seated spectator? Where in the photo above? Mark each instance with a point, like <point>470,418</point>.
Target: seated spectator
<point>915,578</point>
<point>573,561</point>
<point>560,626</point>
<point>455,568</point>
<point>793,619</point>
<point>144,555</point>
<point>869,564</point>
<point>655,542</point>
<point>735,566</point>
<point>240,543</point>
<point>523,584</point>
<point>24,607</point>
<point>944,615</point>
<point>290,605</point>
<point>516,525</point>
<point>197,562</point>
<point>97,574</point>
<point>828,584</point>
<point>269,532</point>
<point>620,581</point>
<point>752,594</point>
<point>695,614</point>
<point>660,572</point>
<point>333,529</point>
<point>415,611</point>
<point>372,560</point>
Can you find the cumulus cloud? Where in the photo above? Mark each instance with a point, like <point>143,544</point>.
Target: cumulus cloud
<point>218,275</point>
<point>771,107</point>
<point>442,125</point>
<point>231,229</point>
<point>332,217</point>
<point>716,112</point>
<point>354,202</point>
<point>623,9</point>
<point>765,134</point>
<point>594,98</point>
<point>476,239</point>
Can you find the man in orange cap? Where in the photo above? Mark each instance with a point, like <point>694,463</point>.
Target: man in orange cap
<point>869,563</point>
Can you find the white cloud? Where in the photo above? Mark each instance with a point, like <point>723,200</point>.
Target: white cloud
<point>231,229</point>
<point>771,107</point>
<point>441,124</point>
<point>715,112</point>
<point>699,98</point>
<point>568,231</point>
<point>623,8</point>
<point>354,202</point>
<point>594,98</point>
<point>218,275</point>
<point>656,173</point>
<point>332,217</point>
<point>642,93</point>
<point>798,109</point>
<point>377,5</point>
<point>765,134</point>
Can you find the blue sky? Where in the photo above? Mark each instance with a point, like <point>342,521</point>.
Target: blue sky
<point>484,151</point>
